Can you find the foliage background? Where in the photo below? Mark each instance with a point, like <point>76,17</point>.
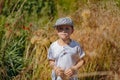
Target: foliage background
<point>26,32</point>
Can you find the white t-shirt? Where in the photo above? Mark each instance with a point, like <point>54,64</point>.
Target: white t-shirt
<point>65,56</point>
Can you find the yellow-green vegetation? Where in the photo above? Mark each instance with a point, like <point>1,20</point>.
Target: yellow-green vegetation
<point>26,33</point>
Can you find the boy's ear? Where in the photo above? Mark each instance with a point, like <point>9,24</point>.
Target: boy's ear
<point>55,30</point>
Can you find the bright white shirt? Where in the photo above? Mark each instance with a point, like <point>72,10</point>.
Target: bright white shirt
<point>65,56</point>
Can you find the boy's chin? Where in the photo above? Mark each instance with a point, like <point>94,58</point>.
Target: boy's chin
<point>65,38</point>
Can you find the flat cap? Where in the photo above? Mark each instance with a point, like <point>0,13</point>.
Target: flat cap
<point>64,21</point>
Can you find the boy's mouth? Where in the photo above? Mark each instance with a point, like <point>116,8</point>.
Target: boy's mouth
<point>64,34</point>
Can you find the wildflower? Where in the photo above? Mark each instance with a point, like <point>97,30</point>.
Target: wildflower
<point>25,28</point>
<point>30,24</point>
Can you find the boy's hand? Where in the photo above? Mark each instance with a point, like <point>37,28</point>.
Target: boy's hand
<point>59,71</point>
<point>69,72</point>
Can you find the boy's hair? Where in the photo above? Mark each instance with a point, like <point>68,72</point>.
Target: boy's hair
<point>64,21</point>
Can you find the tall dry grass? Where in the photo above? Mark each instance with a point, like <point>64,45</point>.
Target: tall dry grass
<point>99,36</point>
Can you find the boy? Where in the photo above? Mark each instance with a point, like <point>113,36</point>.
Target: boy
<point>65,55</point>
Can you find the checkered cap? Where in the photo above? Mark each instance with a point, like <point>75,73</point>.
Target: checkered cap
<point>64,21</point>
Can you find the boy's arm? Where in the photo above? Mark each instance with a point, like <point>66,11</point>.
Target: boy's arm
<point>78,64</point>
<point>52,63</point>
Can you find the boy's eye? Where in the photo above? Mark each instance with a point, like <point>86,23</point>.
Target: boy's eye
<point>66,28</point>
<point>63,28</point>
<point>60,28</point>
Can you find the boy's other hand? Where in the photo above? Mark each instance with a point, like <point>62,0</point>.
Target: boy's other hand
<point>58,71</point>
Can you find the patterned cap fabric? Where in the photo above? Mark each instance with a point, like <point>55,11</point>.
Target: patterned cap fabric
<point>64,21</point>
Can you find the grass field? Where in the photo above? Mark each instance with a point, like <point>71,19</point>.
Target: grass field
<point>25,37</point>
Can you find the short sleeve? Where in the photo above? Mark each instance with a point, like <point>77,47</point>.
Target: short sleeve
<point>50,53</point>
<point>81,52</point>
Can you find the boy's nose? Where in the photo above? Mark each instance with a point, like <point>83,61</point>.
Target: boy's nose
<point>64,30</point>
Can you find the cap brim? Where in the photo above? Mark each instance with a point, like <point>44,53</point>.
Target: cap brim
<point>62,25</point>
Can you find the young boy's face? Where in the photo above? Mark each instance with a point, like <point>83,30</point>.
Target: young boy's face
<point>64,31</point>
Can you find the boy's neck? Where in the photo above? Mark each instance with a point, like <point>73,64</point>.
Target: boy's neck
<point>64,42</point>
